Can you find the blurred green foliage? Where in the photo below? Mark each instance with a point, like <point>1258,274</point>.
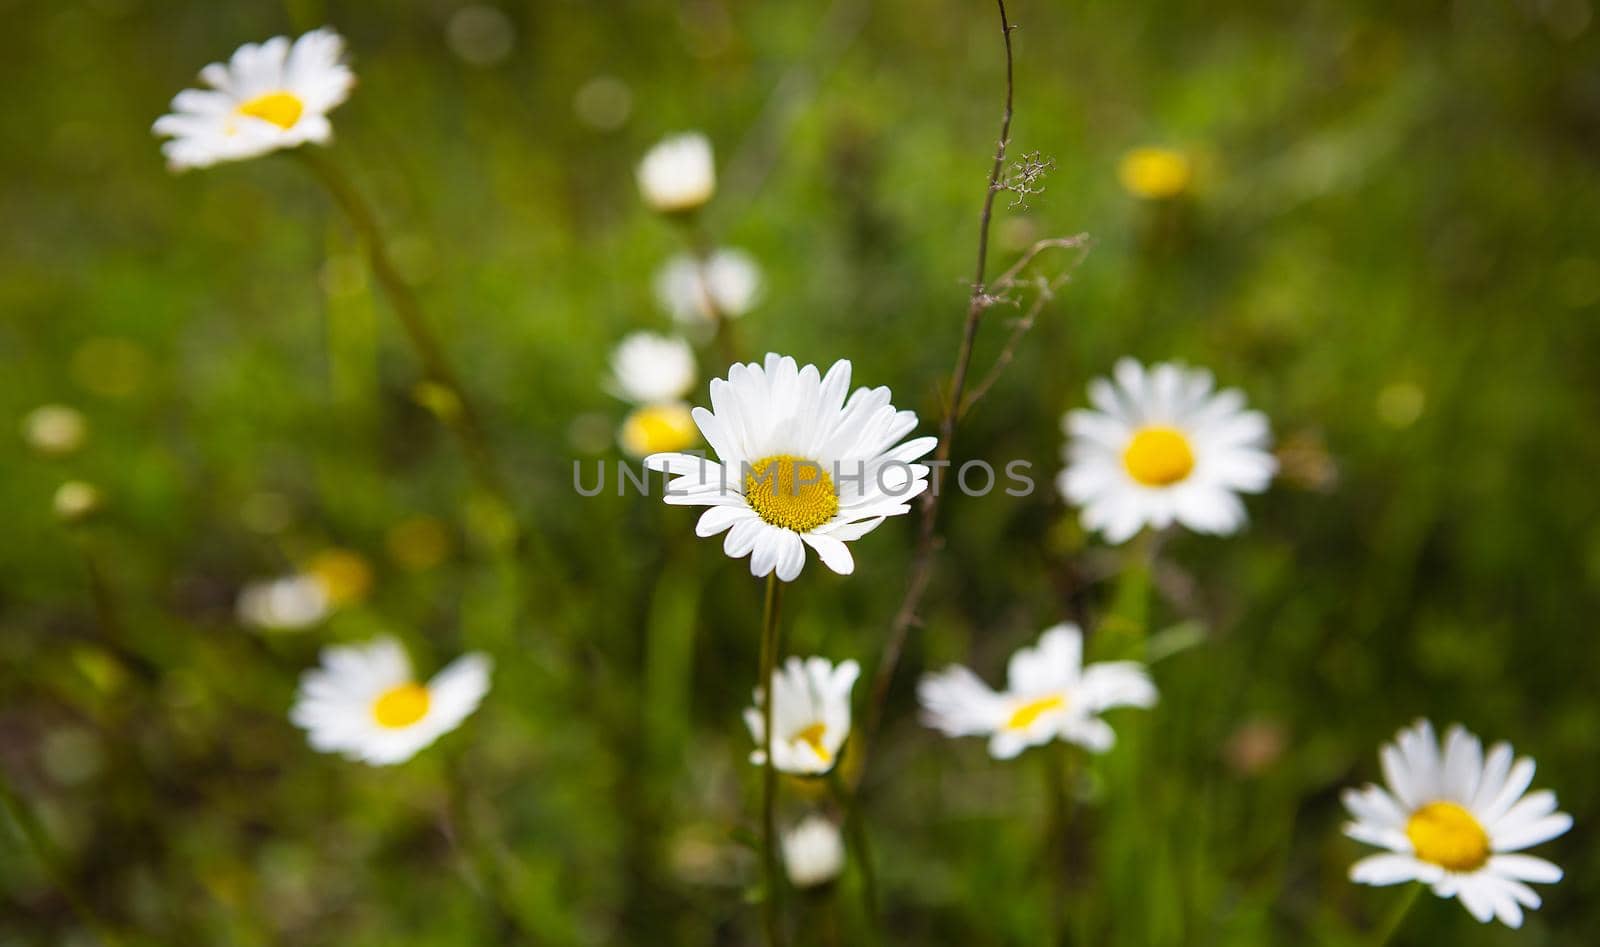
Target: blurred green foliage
<point>1392,244</point>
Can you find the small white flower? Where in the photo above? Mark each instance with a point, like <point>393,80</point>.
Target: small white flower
<point>678,174</point>
<point>797,465</point>
<point>1453,820</point>
<point>364,703</point>
<point>55,429</point>
<point>289,603</point>
<point>647,368</point>
<point>269,96</point>
<point>1162,448</point>
<point>1050,695</point>
<point>810,715</point>
<point>813,852</point>
<point>725,285</point>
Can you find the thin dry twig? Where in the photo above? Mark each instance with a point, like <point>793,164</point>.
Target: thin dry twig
<point>977,303</point>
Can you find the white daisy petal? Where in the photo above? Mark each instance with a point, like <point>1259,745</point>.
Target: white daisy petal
<point>810,715</point>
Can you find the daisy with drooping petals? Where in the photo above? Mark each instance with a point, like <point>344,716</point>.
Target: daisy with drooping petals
<point>1162,447</point>
<point>725,285</point>
<point>364,702</point>
<point>654,372</point>
<point>1049,695</point>
<point>797,465</point>
<point>1454,820</point>
<point>679,174</point>
<point>269,96</point>
<point>810,715</point>
<point>813,852</point>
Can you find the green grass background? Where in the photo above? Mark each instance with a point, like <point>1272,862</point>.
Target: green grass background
<point>1392,248</point>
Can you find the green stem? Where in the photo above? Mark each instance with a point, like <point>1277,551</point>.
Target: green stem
<point>1057,841</point>
<point>34,834</point>
<point>769,775</point>
<point>483,862</point>
<point>455,410</point>
<point>1385,931</point>
<point>856,830</point>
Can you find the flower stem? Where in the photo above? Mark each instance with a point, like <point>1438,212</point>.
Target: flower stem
<point>453,409</point>
<point>856,830</point>
<point>769,775</point>
<point>1057,841</point>
<point>1385,931</point>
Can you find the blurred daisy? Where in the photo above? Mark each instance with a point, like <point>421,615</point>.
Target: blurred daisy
<point>726,285</point>
<point>647,368</point>
<point>289,603</point>
<point>654,372</point>
<point>364,703</point>
<point>810,715</point>
<point>270,96</point>
<point>1050,695</point>
<point>798,465</point>
<point>55,430</point>
<point>1163,447</point>
<point>344,575</point>
<point>1155,173</point>
<point>1452,820</point>
<point>813,852</point>
<point>679,174</point>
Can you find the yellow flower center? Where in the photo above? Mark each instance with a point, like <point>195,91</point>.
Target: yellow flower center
<point>1024,717</point>
<point>812,736</point>
<point>401,705</point>
<point>1155,173</point>
<point>658,428</point>
<point>344,576</point>
<point>1449,836</point>
<point>1158,456</point>
<point>791,492</point>
<point>280,108</point>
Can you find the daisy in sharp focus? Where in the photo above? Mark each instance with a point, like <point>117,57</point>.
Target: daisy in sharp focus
<point>679,174</point>
<point>1162,447</point>
<point>797,465</point>
<point>1049,695</point>
<point>1453,820</point>
<point>810,716</point>
<point>365,703</point>
<point>654,372</point>
<point>269,96</point>
<point>725,285</point>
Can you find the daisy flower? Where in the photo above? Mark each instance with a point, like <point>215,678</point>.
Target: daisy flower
<point>813,852</point>
<point>654,372</point>
<point>1162,447</point>
<point>797,465</point>
<point>288,603</point>
<point>1050,695</point>
<point>810,715</point>
<point>1155,174</point>
<point>725,285</point>
<point>647,368</point>
<point>1453,819</point>
<point>269,96</point>
<point>678,174</point>
<point>364,702</point>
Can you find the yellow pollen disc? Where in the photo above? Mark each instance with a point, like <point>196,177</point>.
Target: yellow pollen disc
<point>401,706</point>
<point>813,735</point>
<point>1158,456</point>
<point>280,108</point>
<point>658,428</point>
<point>344,576</point>
<point>1023,717</point>
<point>791,492</point>
<point>1449,836</point>
<point>1155,173</point>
